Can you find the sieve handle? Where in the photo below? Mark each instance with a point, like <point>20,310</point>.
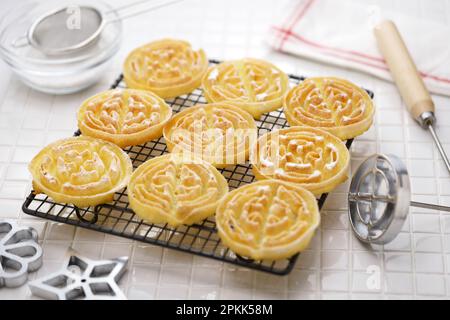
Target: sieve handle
<point>122,10</point>
<point>20,42</point>
<point>403,69</point>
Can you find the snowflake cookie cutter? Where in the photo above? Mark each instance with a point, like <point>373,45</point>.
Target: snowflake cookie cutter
<point>20,253</point>
<point>82,279</point>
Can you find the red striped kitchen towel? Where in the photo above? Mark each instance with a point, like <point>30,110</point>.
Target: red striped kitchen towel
<point>341,33</point>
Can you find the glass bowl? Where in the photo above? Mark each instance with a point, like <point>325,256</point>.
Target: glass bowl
<point>58,74</point>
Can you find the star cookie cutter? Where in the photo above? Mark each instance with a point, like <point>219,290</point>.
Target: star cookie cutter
<point>19,253</point>
<point>82,279</point>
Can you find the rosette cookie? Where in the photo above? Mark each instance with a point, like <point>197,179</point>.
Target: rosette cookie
<point>310,157</point>
<point>335,105</point>
<point>219,133</point>
<point>268,219</point>
<point>167,189</point>
<point>253,85</point>
<point>123,116</point>
<point>80,170</point>
<point>166,67</point>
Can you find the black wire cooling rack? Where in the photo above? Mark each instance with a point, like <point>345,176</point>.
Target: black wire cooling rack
<point>118,219</point>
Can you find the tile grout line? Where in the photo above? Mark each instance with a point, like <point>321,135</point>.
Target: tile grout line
<point>410,213</point>
<point>441,227</point>
<point>318,287</point>
<point>191,276</point>
<point>350,242</point>
<point>47,223</point>
<point>158,282</point>
<point>15,146</point>
<point>127,283</point>
<point>222,281</point>
<point>382,251</point>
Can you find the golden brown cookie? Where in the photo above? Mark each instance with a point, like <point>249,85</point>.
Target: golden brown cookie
<point>254,85</point>
<point>310,157</point>
<point>269,219</point>
<point>125,117</point>
<point>335,105</point>
<point>166,67</point>
<point>80,170</point>
<point>167,189</point>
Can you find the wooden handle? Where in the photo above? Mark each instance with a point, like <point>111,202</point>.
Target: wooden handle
<point>404,71</point>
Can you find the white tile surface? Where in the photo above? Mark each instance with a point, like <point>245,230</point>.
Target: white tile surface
<point>398,262</point>
<point>430,284</point>
<point>399,283</point>
<point>334,281</point>
<point>336,266</point>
